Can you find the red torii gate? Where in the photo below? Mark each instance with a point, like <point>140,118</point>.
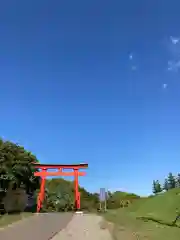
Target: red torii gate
<point>44,173</point>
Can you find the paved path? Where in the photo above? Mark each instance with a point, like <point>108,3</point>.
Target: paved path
<point>39,227</point>
<point>57,226</point>
<point>84,227</point>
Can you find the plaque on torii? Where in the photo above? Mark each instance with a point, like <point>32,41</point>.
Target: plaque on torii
<point>43,173</point>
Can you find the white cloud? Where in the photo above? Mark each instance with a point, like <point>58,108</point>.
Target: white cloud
<point>130,56</point>
<point>164,85</point>
<point>173,47</point>
<point>174,65</point>
<point>174,40</point>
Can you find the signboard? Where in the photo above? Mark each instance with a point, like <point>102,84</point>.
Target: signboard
<point>102,195</point>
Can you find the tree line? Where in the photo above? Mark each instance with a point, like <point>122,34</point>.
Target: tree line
<point>17,172</point>
<point>169,183</point>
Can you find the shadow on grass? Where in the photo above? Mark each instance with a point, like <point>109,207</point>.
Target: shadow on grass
<point>169,224</point>
<point>10,218</point>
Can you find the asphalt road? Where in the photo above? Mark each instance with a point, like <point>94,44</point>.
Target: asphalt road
<point>39,227</point>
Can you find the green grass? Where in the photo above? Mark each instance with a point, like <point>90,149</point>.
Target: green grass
<point>11,218</point>
<point>162,207</point>
<point>148,218</point>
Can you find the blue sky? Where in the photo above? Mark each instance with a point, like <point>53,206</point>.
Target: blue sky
<point>94,81</point>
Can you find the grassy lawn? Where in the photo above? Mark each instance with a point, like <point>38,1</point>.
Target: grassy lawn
<point>11,218</point>
<point>149,218</point>
<point>127,226</point>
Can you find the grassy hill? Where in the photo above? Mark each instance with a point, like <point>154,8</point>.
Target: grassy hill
<point>118,199</point>
<point>162,207</point>
<point>124,195</point>
<point>148,218</point>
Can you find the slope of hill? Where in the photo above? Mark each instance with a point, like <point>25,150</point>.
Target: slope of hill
<point>162,207</point>
<point>148,218</point>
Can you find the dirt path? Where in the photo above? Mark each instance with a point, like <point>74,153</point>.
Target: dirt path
<point>84,227</point>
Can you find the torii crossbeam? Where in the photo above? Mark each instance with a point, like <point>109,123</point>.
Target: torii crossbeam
<point>43,173</point>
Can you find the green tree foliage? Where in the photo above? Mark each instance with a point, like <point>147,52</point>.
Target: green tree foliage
<point>58,201</point>
<point>89,201</point>
<point>156,187</point>
<point>166,185</point>
<point>171,181</point>
<point>16,170</point>
<point>120,199</point>
<point>60,196</point>
<point>16,167</point>
<point>178,181</point>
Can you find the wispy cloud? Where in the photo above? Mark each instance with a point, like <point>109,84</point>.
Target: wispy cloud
<point>174,65</point>
<point>174,40</point>
<point>164,86</point>
<point>132,62</point>
<point>130,56</point>
<point>173,46</point>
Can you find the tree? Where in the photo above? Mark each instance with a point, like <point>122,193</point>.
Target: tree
<point>16,167</point>
<point>58,202</point>
<point>171,181</point>
<point>178,181</point>
<point>60,196</point>
<point>166,185</point>
<point>109,195</point>
<point>154,190</point>
<point>156,187</point>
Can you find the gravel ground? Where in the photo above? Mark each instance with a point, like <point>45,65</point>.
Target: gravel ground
<point>39,227</point>
<point>84,227</point>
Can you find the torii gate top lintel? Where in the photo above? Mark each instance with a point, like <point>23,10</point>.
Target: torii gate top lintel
<point>65,166</point>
